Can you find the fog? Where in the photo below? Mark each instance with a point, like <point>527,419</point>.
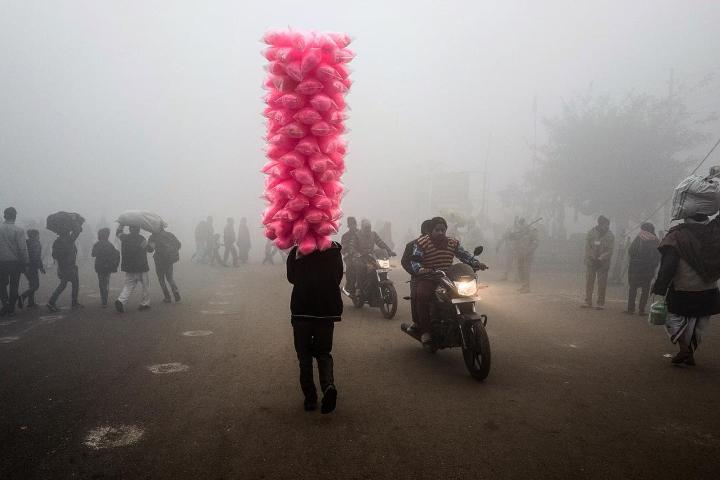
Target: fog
<point>107,106</point>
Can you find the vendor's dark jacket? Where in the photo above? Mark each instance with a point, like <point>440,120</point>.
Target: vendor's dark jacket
<point>34,249</point>
<point>690,268</point>
<point>134,253</point>
<point>316,284</point>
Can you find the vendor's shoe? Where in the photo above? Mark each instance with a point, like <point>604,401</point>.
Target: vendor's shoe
<point>77,305</point>
<point>177,296</point>
<point>329,399</point>
<point>586,305</point>
<point>51,307</point>
<point>119,306</point>
<point>413,328</point>
<point>144,307</point>
<point>20,302</point>
<point>167,300</point>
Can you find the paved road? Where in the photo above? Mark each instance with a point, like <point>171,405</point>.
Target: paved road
<point>572,393</point>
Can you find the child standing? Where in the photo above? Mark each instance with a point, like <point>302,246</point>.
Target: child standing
<point>34,266</point>
<point>107,260</point>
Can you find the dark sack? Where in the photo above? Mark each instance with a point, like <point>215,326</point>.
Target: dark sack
<point>64,222</point>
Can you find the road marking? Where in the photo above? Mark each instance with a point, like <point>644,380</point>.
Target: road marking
<point>219,303</point>
<point>197,333</point>
<point>212,312</point>
<point>163,368</point>
<point>228,285</point>
<point>113,437</point>
<point>8,339</point>
<point>668,355</point>
<point>93,295</point>
<point>572,345</point>
<point>225,294</point>
<point>51,318</point>
<point>7,322</point>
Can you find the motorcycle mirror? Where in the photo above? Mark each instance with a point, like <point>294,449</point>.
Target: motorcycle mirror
<point>478,250</point>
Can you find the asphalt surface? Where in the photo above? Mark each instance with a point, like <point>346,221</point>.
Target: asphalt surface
<point>572,393</point>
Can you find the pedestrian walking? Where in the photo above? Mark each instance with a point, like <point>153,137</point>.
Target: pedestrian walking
<point>134,250</point>
<point>599,245</point>
<point>107,260</point>
<point>243,241</point>
<point>214,245</point>
<point>643,260</point>
<point>167,254</point>
<point>270,252</point>
<point>525,244</point>
<point>200,242</point>
<point>33,268</point>
<point>64,251</point>
<point>315,306</point>
<point>13,258</point>
<point>229,239</point>
<point>687,279</point>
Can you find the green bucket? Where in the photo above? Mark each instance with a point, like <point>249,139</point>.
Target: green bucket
<point>658,313</point>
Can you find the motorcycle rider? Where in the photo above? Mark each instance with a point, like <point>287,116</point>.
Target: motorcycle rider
<point>365,242</point>
<point>406,263</point>
<point>435,251</point>
<point>348,242</point>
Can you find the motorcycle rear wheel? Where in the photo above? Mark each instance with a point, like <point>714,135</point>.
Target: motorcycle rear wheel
<point>477,354</point>
<point>389,301</point>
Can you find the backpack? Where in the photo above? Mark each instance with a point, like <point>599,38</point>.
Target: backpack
<point>167,247</point>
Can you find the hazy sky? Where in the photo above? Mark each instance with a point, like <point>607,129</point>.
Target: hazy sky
<point>108,105</point>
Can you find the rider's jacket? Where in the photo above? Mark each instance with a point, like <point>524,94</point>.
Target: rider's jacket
<point>366,242</point>
<point>429,254</point>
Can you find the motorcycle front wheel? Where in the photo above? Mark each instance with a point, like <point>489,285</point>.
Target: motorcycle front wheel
<point>389,301</point>
<point>357,300</point>
<point>477,354</point>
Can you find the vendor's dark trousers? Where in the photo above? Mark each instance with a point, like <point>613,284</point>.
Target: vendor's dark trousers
<point>33,278</point>
<point>599,271</point>
<point>72,279</point>
<point>314,339</point>
<point>104,285</point>
<point>9,282</point>
<point>644,286</point>
<point>424,291</point>
<point>165,274</point>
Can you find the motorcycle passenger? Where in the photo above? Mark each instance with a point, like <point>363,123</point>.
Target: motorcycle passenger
<point>406,263</point>
<point>434,251</point>
<point>365,242</point>
<point>348,242</point>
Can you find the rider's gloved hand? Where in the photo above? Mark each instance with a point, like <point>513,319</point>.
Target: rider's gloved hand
<point>480,266</point>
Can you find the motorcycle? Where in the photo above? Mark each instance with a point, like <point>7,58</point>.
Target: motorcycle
<point>376,289</point>
<point>455,320</point>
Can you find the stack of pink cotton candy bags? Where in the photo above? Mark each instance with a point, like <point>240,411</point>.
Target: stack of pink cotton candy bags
<point>306,86</point>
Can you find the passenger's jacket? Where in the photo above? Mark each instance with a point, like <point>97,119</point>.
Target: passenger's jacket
<point>64,252</point>
<point>166,246</point>
<point>134,252</point>
<point>316,284</point>
<point>12,243</point>
<point>599,247</point>
<point>107,257</point>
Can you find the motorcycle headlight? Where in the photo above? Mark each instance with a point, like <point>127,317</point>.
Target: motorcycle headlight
<point>384,263</point>
<point>466,288</point>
